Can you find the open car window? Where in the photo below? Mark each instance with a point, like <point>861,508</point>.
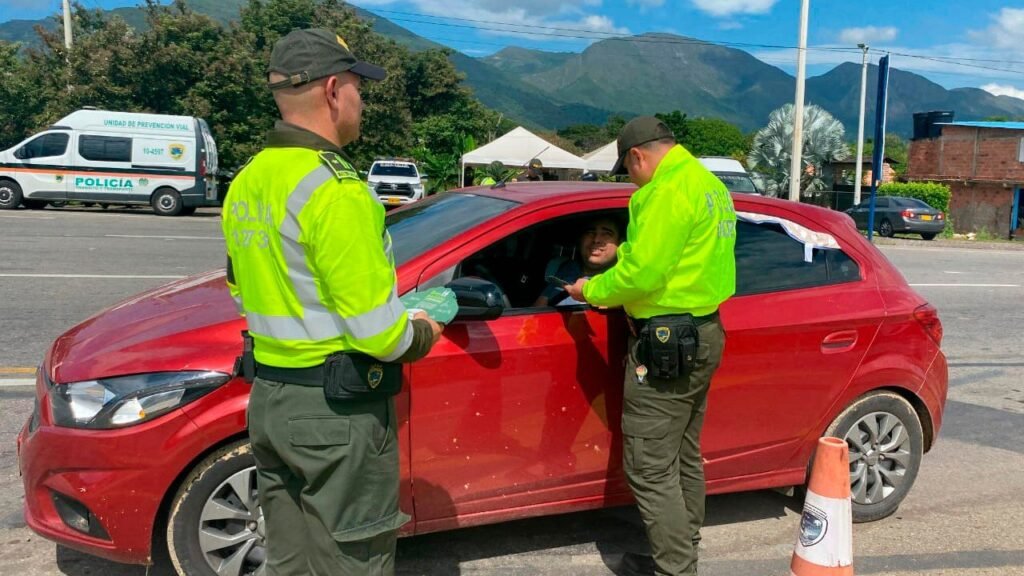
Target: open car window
<point>519,263</point>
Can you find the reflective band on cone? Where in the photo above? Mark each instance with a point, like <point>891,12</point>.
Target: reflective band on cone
<point>824,546</point>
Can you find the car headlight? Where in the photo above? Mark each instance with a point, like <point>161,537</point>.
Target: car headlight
<point>417,187</point>
<point>128,400</point>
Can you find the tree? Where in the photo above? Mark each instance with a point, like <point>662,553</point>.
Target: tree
<point>586,137</point>
<point>823,142</point>
<point>714,137</point>
<point>676,122</point>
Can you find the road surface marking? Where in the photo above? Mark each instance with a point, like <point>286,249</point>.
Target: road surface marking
<point>111,276</point>
<point>17,370</point>
<point>16,382</point>
<point>17,217</point>
<point>163,237</point>
<point>967,285</point>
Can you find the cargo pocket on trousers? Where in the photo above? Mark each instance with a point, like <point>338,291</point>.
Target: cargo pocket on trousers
<point>319,431</point>
<point>647,442</point>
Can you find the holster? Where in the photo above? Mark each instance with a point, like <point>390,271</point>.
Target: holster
<point>667,346</point>
<point>353,376</point>
<point>245,365</point>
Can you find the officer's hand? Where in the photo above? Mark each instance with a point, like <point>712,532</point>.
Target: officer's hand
<point>576,290</point>
<point>435,328</point>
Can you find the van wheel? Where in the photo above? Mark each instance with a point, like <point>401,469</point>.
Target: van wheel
<point>167,202</point>
<point>35,204</point>
<point>216,525</point>
<point>10,195</point>
<point>886,444</point>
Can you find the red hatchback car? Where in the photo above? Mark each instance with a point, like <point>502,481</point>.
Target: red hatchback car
<point>139,431</point>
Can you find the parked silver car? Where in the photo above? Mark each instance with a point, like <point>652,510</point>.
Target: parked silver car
<point>900,214</point>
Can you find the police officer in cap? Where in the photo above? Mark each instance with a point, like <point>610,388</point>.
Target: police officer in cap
<point>310,265</point>
<point>674,270</point>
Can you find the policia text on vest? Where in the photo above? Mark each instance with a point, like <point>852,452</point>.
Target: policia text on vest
<point>310,266</point>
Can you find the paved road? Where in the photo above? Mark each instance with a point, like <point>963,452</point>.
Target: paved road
<point>964,516</point>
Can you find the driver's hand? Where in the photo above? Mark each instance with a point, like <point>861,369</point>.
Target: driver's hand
<point>576,290</point>
<point>435,328</point>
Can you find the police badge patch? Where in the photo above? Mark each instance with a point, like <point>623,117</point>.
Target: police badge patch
<point>375,375</point>
<point>663,333</point>
<point>813,526</point>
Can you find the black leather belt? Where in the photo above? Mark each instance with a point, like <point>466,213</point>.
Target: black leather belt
<point>312,376</point>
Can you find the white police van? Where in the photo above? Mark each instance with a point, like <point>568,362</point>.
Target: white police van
<point>103,157</point>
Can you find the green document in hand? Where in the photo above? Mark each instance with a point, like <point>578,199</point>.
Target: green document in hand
<point>438,303</point>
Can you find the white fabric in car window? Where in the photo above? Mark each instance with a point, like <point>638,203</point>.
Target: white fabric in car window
<point>809,238</point>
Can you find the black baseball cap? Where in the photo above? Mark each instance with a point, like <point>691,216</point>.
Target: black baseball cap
<point>639,131</point>
<point>307,55</point>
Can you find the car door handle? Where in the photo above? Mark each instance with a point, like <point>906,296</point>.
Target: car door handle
<point>837,342</point>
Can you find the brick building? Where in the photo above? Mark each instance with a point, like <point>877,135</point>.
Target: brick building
<point>983,163</point>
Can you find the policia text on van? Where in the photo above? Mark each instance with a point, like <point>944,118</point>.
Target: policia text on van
<point>168,162</point>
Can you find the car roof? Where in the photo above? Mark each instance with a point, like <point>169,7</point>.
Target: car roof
<point>550,193</point>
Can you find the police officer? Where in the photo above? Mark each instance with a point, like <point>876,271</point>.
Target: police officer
<point>310,265</point>
<point>674,270</point>
<point>495,167</point>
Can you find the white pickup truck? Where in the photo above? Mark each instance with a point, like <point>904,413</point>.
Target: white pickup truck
<point>395,181</point>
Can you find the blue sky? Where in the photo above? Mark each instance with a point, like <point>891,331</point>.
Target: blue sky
<point>989,32</point>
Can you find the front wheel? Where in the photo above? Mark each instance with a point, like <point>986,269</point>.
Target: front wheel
<point>167,202</point>
<point>930,236</point>
<point>215,526</point>
<point>886,445</point>
<point>886,229</point>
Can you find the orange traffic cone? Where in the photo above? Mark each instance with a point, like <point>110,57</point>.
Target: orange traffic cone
<point>825,544</point>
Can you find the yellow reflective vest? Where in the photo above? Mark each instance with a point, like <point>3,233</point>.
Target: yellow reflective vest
<point>678,255</point>
<point>309,259</point>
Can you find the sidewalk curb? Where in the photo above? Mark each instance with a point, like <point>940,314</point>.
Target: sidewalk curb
<point>944,243</point>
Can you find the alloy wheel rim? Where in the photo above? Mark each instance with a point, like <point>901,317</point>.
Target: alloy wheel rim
<point>880,452</point>
<point>6,194</point>
<point>166,202</point>
<point>231,527</point>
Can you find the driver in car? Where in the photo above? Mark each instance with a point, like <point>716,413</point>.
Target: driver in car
<point>596,253</point>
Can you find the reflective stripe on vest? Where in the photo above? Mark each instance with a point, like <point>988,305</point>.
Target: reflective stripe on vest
<point>317,322</point>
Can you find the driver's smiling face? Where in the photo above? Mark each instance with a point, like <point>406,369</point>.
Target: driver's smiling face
<point>598,245</point>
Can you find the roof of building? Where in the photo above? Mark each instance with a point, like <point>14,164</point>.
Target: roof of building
<point>1002,125</point>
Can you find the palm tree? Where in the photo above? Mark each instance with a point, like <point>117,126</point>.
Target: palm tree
<point>824,142</point>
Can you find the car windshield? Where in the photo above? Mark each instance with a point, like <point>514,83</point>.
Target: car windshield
<point>428,223</point>
<point>913,203</point>
<point>737,182</point>
<point>392,169</point>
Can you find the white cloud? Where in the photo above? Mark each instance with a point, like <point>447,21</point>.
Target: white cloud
<point>730,25</point>
<point>1005,31</point>
<point>868,35</point>
<point>646,3</point>
<point>726,8</point>
<point>1003,90</point>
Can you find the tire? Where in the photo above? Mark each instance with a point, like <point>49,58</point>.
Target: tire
<point>167,202</point>
<point>187,211</point>
<point>34,204</point>
<point>10,195</point>
<point>879,488</point>
<point>930,236</point>
<point>217,480</point>
<point>885,229</point>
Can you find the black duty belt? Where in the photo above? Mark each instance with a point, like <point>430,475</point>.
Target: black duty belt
<point>638,324</point>
<point>312,376</point>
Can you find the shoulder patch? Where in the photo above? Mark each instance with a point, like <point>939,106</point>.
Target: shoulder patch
<point>341,169</point>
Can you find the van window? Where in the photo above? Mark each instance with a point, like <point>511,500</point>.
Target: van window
<point>105,148</point>
<point>44,146</point>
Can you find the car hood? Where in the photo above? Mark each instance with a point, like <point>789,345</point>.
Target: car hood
<point>396,179</point>
<point>190,324</point>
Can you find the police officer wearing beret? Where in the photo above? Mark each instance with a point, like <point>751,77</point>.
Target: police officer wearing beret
<point>310,266</point>
<point>674,270</point>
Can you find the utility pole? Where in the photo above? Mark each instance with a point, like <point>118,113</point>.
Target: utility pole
<point>860,126</point>
<point>67,25</point>
<point>795,169</point>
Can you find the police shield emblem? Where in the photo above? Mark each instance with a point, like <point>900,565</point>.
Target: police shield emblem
<point>176,151</point>
<point>663,334</point>
<point>375,375</point>
<point>813,526</point>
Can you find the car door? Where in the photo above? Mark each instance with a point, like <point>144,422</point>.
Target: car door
<point>518,411</point>
<point>796,332</point>
<point>45,163</point>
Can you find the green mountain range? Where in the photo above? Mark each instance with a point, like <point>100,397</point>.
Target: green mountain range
<point>644,75</point>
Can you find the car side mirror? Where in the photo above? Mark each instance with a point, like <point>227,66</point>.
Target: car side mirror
<point>478,299</point>
<point>424,177</point>
<point>21,153</point>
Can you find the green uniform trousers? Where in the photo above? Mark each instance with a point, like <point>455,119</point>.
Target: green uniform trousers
<point>661,425</point>
<point>327,474</point>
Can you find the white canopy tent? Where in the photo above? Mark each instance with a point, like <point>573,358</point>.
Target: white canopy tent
<point>516,149</point>
<point>604,158</point>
